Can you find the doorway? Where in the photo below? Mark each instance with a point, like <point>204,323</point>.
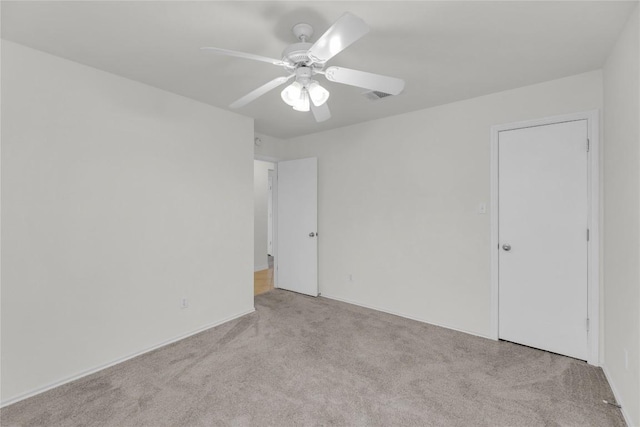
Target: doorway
<point>286,225</point>
<point>544,234</point>
<point>263,183</point>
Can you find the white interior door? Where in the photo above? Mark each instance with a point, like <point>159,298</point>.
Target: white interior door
<point>298,226</point>
<point>543,219</point>
<point>270,214</point>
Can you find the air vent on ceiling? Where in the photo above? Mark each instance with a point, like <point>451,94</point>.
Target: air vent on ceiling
<point>374,95</point>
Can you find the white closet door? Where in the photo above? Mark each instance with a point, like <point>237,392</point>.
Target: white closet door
<point>543,237</point>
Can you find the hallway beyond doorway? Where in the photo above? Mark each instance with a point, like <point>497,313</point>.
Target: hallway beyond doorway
<point>263,279</point>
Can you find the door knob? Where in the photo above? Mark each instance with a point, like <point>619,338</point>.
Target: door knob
<point>506,247</point>
<point>312,234</point>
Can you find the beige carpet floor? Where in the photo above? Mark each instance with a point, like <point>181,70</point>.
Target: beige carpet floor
<point>312,361</point>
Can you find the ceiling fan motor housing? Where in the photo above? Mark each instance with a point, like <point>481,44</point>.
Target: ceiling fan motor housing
<point>297,53</point>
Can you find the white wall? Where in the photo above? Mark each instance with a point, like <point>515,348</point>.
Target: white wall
<point>260,216</point>
<point>118,200</point>
<point>268,149</point>
<point>398,201</point>
<point>622,219</point>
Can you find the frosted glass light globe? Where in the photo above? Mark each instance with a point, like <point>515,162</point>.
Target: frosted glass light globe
<point>303,102</point>
<point>317,93</point>
<point>292,94</point>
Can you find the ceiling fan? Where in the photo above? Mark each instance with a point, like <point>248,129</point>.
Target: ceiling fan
<point>304,60</point>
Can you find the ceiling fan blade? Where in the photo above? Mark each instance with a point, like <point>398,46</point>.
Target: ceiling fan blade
<point>320,113</point>
<point>345,31</point>
<point>390,85</point>
<point>253,95</point>
<point>228,52</point>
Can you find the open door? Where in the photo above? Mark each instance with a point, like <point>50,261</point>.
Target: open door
<point>297,260</point>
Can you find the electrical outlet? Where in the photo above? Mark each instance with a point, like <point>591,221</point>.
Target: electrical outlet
<point>350,277</point>
<point>184,303</point>
<point>482,209</point>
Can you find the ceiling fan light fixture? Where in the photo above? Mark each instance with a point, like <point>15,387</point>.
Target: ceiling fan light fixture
<point>317,93</point>
<point>303,102</point>
<point>292,94</point>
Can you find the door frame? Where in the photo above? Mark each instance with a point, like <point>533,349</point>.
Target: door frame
<point>593,247</point>
<point>274,207</point>
<point>271,179</point>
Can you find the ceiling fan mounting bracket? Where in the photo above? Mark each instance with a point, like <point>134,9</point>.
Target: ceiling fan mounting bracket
<point>302,31</point>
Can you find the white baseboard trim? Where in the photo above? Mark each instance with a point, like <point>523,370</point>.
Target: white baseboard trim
<point>625,414</point>
<point>260,267</point>
<point>119,360</point>
<point>406,316</point>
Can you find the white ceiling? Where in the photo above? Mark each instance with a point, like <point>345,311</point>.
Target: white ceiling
<point>445,51</point>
